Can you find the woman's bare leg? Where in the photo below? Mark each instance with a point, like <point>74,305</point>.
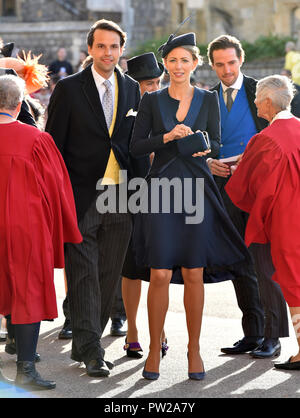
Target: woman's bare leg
<point>193,303</point>
<point>158,303</point>
<point>295,315</point>
<point>131,294</point>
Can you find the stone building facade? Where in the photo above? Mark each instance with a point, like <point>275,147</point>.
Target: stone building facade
<point>45,25</point>
<point>246,19</point>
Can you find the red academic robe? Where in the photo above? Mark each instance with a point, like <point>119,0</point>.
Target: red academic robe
<point>266,184</point>
<point>37,215</point>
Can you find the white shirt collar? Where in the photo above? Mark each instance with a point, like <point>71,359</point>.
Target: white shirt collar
<point>284,114</point>
<point>99,80</point>
<point>237,85</point>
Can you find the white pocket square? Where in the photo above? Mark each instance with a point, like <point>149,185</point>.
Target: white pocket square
<point>131,112</point>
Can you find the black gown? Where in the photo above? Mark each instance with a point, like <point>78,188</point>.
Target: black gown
<point>165,240</point>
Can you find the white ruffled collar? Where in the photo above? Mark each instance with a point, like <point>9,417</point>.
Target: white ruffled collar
<point>284,114</point>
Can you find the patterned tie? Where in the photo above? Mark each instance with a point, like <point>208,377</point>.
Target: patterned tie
<point>107,103</point>
<point>229,101</point>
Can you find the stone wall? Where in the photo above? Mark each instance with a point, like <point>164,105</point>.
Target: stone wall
<point>44,25</point>
<point>46,37</point>
<point>151,20</point>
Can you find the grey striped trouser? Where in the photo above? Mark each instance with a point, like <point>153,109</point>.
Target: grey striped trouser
<point>93,269</point>
<point>275,307</point>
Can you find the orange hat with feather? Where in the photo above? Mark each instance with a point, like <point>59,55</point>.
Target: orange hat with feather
<point>34,74</point>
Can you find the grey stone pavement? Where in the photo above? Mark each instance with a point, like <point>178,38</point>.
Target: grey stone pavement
<point>227,376</point>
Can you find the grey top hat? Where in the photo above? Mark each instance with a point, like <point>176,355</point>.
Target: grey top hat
<point>144,67</point>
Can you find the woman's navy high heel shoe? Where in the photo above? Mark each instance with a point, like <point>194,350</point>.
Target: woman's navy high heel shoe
<point>196,375</point>
<point>150,375</point>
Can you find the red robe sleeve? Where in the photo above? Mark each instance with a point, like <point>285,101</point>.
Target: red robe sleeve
<point>254,185</point>
<point>57,194</point>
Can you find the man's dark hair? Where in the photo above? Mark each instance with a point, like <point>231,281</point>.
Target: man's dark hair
<point>106,25</point>
<point>225,42</point>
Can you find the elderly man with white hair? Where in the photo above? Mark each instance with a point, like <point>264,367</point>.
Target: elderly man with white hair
<point>266,184</point>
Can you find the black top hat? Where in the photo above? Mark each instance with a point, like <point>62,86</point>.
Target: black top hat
<point>144,67</point>
<point>174,42</point>
<point>7,49</point>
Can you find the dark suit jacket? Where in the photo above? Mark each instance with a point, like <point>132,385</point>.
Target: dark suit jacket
<point>250,87</point>
<point>77,124</point>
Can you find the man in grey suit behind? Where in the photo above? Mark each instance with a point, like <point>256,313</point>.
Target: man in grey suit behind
<point>91,117</point>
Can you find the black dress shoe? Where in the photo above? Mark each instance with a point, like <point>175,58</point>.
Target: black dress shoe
<point>270,347</point>
<point>242,346</point>
<point>97,368</point>
<point>117,328</point>
<point>76,357</point>
<point>66,332</point>
<point>288,365</point>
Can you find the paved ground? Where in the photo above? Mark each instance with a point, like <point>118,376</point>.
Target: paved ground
<point>227,376</point>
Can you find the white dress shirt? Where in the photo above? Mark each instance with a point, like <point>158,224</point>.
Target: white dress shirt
<point>99,80</point>
<point>237,85</point>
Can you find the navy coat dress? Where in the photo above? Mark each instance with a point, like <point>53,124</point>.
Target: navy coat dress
<point>165,240</point>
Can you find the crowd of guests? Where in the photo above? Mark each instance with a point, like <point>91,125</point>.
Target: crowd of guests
<point>154,121</point>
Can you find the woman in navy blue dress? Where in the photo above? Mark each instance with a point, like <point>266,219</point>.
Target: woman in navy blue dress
<point>171,242</point>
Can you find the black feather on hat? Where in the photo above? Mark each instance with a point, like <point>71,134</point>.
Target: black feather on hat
<point>176,41</point>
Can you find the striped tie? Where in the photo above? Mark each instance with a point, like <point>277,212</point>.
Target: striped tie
<point>229,101</point>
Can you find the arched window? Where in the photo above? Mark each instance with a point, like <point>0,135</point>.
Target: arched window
<point>8,8</point>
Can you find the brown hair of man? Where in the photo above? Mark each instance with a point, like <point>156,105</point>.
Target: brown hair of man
<point>225,42</point>
<point>106,25</point>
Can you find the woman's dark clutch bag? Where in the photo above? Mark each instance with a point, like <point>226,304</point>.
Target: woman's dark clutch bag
<point>197,142</point>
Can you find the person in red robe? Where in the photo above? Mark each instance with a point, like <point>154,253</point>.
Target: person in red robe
<point>37,215</point>
<point>266,184</point>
